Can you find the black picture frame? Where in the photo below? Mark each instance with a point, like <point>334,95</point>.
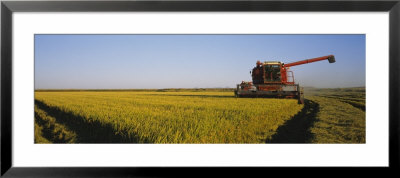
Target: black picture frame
<point>8,7</point>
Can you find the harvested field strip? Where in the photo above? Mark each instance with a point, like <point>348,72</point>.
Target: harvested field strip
<point>356,102</point>
<point>337,122</point>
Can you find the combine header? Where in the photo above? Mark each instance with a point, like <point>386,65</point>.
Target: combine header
<point>273,79</point>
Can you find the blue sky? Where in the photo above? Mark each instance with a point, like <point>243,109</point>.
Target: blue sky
<point>191,61</point>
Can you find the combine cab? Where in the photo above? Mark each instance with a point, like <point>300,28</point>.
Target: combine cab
<point>274,79</point>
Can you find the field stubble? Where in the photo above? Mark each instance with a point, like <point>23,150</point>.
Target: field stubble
<point>342,114</point>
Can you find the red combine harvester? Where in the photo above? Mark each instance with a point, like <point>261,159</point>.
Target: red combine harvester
<point>273,79</point>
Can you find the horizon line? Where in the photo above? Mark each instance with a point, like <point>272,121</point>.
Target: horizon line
<point>173,88</point>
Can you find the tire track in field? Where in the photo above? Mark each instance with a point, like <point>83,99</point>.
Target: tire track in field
<point>47,130</point>
<point>86,131</point>
<point>349,101</point>
<point>297,129</point>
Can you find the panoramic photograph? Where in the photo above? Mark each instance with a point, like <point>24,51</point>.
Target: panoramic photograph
<point>200,88</point>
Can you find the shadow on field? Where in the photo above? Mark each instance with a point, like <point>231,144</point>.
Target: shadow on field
<point>86,131</point>
<point>51,131</point>
<point>297,129</point>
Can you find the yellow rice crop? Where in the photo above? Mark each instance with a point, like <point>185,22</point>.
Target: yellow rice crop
<point>177,117</point>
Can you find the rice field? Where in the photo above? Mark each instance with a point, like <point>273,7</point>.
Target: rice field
<point>160,117</point>
<point>198,116</point>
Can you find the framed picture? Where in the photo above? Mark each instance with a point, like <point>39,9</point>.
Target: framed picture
<point>135,88</point>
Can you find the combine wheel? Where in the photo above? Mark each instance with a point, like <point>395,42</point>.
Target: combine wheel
<point>301,96</point>
<point>301,99</point>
